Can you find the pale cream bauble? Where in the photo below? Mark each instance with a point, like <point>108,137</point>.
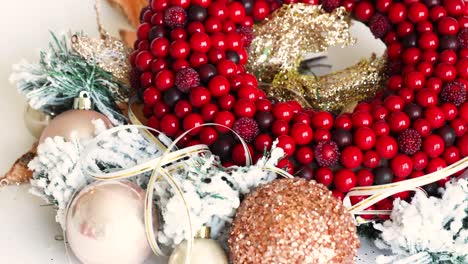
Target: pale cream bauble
<point>105,224</point>
<point>204,251</point>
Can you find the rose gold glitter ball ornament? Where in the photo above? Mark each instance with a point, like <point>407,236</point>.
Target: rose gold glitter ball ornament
<point>75,123</point>
<point>105,224</point>
<point>292,221</point>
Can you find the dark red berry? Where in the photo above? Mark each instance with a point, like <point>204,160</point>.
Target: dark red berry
<point>379,25</point>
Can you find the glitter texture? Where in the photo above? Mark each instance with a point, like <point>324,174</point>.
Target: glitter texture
<point>108,53</point>
<point>290,32</point>
<point>292,221</point>
<point>331,92</point>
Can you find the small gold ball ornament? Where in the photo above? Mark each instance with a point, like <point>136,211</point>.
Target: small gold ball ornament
<point>204,250</point>
<point>292,221</point>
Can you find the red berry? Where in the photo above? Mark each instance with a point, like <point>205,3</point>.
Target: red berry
<point>419,160</point>
<point>323,120</point>
<point>164,80</point>
<point>364,138</point>
<point>263,143</point>
<point>182,108</point>
<point>351,157</point>
<point>364,178</point>
<point>224,118</point>
<point>361,119</point>
<point>280,127</point>
<point>398,121</point>
<point>305,155</point>
<point>364,10</point>
<point>433,145</point>
<point>283,111</point>
<point>422,126</point>
<point>370,159</point>
<point>386,147</point>
<point>219,86</point>
<point>418,12</point>
<point>401,165</point>
<point>239,154</point>
<point>208,111</point>
<point>345,180</point>
<point>170,125</point>
<point>200,42</point>
<point>397,13</point>
<point>435,116</point>
<point>191,121</point>
<point>260,10</point>
<point>324,176</point>
<point>143,60</point>
<point>301,133</point>
<point>160,47</point>
<point>287,144</point>
<point>199,96</point>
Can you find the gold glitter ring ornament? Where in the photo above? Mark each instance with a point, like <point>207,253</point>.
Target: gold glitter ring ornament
<point>292,221</point>
<point>280,44</point>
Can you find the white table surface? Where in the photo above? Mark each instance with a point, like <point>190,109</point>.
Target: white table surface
<point>27,228</point>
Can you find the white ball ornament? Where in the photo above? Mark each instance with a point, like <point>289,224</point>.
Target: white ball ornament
<point>105,224</point>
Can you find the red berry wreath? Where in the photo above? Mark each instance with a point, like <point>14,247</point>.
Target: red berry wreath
<point>189,61</point>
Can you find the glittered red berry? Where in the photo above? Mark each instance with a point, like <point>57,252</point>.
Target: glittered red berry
<point>175,16</point>
<point>186,79</point>
<point>301,133</point>
<point>453,92</point>
<point>247,128</point>
<point>433,145</point>
<point>379,25</point>
<point>345,180</point>
<point>330,5</point>
<point>409,141</point>
<point>386,147</point>
<point>327,153</point>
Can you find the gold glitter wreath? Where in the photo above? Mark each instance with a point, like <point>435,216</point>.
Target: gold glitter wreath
<point>292,31</point>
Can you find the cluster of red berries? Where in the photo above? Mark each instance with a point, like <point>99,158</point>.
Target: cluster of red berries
<point>189,66</point>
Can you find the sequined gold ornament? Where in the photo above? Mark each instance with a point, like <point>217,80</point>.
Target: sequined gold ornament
<point>108,53</point>
<point>283,39</point>
<point>334,91</point>
<point>292,31</point>
<point>292,221</point>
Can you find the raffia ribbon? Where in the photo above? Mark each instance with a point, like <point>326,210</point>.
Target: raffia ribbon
<point>379,192</point>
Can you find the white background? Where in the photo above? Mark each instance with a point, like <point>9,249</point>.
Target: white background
<point>27,228</point>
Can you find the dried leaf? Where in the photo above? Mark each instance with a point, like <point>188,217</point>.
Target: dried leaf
<point>128,37</point>
<point>131,9</point>
<point>19,172</point>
